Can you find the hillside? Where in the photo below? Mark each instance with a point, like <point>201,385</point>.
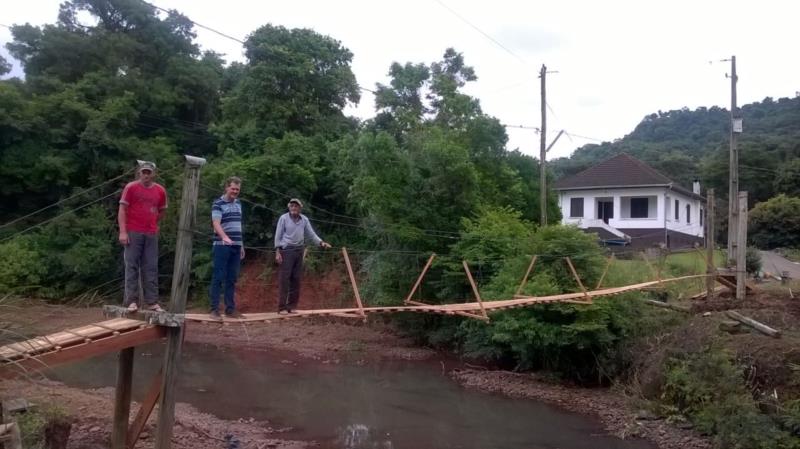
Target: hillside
<point>687,145</point>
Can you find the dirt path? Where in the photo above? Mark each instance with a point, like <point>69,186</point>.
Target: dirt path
<point>776,264</point>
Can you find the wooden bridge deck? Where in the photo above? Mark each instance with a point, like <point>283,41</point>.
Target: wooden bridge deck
<point>119,333</point>
<point>75,344</point>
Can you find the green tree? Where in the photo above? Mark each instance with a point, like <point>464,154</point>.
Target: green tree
<point>294,81</point>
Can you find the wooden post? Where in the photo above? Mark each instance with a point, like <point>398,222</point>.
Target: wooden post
<point>353,282</point>
<point>710,266</point>
<point>177,303</point>
<point>122,398</point>
<point>525,278</point>
<point>577,278</point>
<point>419,279</point>
<point>145,408</point>
<point>605,271</point>
<point>741,247</point>
<point>474,288</point>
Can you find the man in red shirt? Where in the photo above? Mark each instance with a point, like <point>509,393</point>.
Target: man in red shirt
<point>142,204</point>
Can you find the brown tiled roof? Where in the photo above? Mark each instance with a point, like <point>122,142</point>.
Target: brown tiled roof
<point>622,170</point>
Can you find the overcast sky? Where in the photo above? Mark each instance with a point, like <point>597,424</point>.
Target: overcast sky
<point>616,61</point>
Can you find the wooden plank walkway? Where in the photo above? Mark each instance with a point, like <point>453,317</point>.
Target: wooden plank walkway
<point>441,309</point>
<point>75,344</point>
<point>113,335</point>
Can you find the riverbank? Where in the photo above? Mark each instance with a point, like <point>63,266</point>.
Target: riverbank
<point>326,341</point>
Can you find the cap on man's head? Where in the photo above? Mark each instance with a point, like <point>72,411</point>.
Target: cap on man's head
<point>147,165</point>
<point>296,201</point>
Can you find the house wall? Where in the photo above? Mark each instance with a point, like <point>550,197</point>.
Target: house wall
<point>680,225</point>
<point>660,215</point>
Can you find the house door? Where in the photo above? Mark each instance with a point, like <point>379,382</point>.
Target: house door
<point>605,210</point>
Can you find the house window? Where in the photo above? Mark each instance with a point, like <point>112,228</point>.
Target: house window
<point>639,207</point>
<point>677,210</point>
<point>688,213</point>
<point>702,212</point>
<point>576,207</point>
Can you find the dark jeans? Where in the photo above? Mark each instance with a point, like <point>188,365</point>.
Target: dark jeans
<point>289,277</point>
<point>226,260</point>
<point>141,257</point>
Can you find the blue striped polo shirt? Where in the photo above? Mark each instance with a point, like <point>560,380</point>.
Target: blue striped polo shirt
<point>229,214</point>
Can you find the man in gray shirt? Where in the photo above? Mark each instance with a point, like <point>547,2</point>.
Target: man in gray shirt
<point>290,235</point>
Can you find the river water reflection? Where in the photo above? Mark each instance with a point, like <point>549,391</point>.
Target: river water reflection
<point>388,405</point>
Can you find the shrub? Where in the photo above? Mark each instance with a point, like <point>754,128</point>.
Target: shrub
<point>774,223</point>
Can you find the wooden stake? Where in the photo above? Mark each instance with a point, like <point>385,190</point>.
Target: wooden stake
<point>353,282</point>
<point>741,247</point>
<point>710,265</point>
<point>525,278</point>
<point>145,409</point>
<point>177,303</point>
<point>122,398</point>
<point>474,288</point>
<point>605,271</point>
<point>578,279</point>
<point>419,279</point>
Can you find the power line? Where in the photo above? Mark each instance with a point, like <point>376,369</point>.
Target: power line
<point>486,35</point>
<point>66,199</point>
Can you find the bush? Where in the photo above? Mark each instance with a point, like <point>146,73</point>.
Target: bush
<point>752,260</point>
<point>709,389</point>
<point>775,223</point>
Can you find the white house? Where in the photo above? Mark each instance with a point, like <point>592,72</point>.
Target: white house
<point>627,202</point>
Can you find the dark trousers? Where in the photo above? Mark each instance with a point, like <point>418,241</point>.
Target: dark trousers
<point>226,261</point>
<point>289,277</point>
<point>141,259</point>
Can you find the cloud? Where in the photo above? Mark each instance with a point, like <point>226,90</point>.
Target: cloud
<point>527,39</point>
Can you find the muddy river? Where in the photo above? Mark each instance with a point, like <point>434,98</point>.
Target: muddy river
<point>387,405</point>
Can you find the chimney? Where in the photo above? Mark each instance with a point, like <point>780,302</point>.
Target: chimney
<point>696,187</point>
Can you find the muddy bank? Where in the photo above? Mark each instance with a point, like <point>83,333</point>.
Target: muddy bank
<point>193,429</point>
<point>613,410</point>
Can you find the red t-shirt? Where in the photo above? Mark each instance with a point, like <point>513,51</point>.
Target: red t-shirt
<point>144,205</point>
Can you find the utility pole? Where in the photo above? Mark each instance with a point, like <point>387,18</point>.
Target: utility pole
<point>543,152</point>
<point>177,303</point>
<point>733,179</point>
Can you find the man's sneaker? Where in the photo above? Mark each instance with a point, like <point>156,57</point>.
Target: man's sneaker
<point>234,314</point>
<point>282,311</point>
<point>215,315</point>
<point>155,308</point>
<point>292,311</point>
<point>133,307</point>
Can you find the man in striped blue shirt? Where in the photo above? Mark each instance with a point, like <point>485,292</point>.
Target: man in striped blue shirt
<point>228,249</point>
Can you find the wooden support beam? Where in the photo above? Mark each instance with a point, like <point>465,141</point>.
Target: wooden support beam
<point>577,278</point>
<point>83,351</point>
<point>527,273</point>
<point>474,288</point>
<point>177,305</point>
<point>710,265</point>
<point>741,245</point>
<point>353,283</point>
<point>761,327</point>
<point>148,316</point>
<point>605,271</point>
<point>419,279</point>
<point>122,398</point>
<point>145,409</point>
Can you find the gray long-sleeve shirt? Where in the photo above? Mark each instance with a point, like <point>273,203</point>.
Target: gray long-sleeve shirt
<point>293,233</point>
